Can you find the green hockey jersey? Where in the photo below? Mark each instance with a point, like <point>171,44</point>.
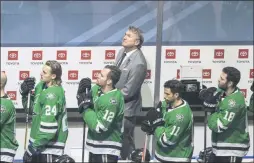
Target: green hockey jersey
<point>229,125</point>
<point>9,144</point>
<point>175,138</point>
<point>49,129</point>
<point>251,107</point>
<point>104,122</point>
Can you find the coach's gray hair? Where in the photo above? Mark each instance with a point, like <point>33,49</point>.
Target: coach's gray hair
<point>56,69</point>
<point>138,32</point>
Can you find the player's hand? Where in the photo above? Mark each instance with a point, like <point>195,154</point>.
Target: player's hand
<point>27,86</point>
<point>84,84</point>
<point>211,101</point>
<point>30,152</point>
<point>147,127</point>
<point>85,101</point>
<point>155,116</point>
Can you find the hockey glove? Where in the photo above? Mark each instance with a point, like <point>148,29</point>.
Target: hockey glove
<point>210,102</point>
<point>147,127</point>
<point>27,86</point>
<point>84,84</point>
<point>154,118</point>
<point>30,152</point>
<point>85,101</point>
<point>204,93</point>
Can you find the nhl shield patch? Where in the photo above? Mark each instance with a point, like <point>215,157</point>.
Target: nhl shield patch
<point>113,101</point>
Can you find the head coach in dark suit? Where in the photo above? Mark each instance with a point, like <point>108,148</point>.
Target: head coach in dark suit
<point>132,63</point>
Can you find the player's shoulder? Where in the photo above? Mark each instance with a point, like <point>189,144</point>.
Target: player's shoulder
<point>183,109</point>
<point>237,95</point>
<point>54,92</point>
<point>113,97</point>
<point>6,103</point>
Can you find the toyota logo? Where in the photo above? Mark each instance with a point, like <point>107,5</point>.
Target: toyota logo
<point>206,73</point>
<point>37,55</point>
<point>243,53</point>
<point>219,54</point>
<point>61,55</point>
<point>170,54</point>
<point>12,55</point>
<point>110,54</point>
<point>147,74</point>
<point>73,75</point>
<point>194,54</point>
<point>96,74</point>
<point>252,74</point>
<point>12,95</point>
<point>24,75</point>
<point>85,55</point>
<point>243,92</point>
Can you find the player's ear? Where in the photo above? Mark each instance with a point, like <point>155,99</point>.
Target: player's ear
<point>230,84</point>
<point>53,77</point>
<point>176,95</point>
<point>109,81</point>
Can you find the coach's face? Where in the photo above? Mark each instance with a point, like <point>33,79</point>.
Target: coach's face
<point>46,75</point>
<point>130,39</point>
<point>102,79</point>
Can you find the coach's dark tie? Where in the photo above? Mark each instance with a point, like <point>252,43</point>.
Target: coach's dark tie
<point>121,60</point>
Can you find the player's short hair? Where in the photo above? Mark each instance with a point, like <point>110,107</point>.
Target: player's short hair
<point>114,74</point>
<point>175,86</point>
<point>233,75</point>
<point>3,80</point>
<point>56,69</point>
<point>138,32</point>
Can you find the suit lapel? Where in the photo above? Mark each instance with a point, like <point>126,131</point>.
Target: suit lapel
<point>129,60</point>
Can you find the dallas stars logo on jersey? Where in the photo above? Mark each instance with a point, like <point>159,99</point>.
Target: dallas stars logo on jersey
<point>231,103</point>
<point>50,96</point>
<point>179,117</point>
<point>2,109</point>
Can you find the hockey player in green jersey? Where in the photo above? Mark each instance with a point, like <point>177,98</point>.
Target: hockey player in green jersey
<point>172,125</point>
<point>9,144</point>
<point>229,120</point>
<point>49,129</point>
<point>102,111</point>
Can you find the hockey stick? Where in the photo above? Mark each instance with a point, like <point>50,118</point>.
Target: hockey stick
<point>205,124</point>
<point>83,145</point>
<point>27,113</point>
<point>84,136</point>
<point>144,150</point>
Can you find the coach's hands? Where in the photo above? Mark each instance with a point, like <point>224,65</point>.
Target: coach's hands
<point>27,86</point>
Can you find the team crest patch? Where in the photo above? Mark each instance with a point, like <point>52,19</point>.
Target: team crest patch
<point>112,101</point>
<point>179,117</point>
<point>2,109</point>
<point>50,96</point>
<point>231,103</point>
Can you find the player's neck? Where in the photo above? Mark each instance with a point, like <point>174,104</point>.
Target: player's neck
<point>50,84</point>
<point>177,103</point>
<point>229,91</point>
<point>106,89</point>
<point>2,93</point>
